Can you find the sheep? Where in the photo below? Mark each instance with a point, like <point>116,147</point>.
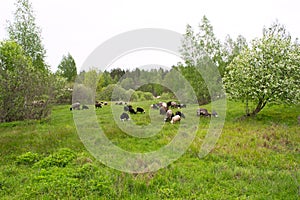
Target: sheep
<point>139,109</point>
<point>75,106</point>
<point>124,116</point>
<point>181,105</point>
<point>214,113</point>
<point>180,114</point>
<point>155,106</point>
<point>169,116</point>
<point>85,107</point>
<point>203,111</point>
<point>126,108</point>
<point>162,111</point>
<point>131,110</point>
<point>98,105</point>
<point>175,119</point>
<point>174,104</point>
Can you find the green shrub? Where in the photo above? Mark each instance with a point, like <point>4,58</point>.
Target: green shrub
<point>60,159</point>
<point>28,158</point>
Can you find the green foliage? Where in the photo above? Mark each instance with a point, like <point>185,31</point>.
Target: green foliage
<point>62,90</point>
<point>59,159</point>
<point>90,79</point>
<point>27,34</point>
<point>27,158</point>
<point>141,96</point>
<point>196,46</point>
<point>67,68</point>
<point>204,56</point>
<point>104,80</point>
<point>267,72</point>
<point>83,94</point>
<point>25,90</point>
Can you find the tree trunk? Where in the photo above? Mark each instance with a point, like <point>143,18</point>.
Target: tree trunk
<point>261,104</point>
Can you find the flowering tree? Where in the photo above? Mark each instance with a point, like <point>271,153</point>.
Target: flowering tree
<point>268,71</point>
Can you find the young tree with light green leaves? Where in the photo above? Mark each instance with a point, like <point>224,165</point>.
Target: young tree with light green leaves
<point>27,34</point>
<point>67,68</point>
<point>268,71</point>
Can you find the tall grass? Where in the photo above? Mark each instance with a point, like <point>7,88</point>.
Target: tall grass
<point>255,158</point>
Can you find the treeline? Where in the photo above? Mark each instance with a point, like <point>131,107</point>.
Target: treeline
<point>265,71</point>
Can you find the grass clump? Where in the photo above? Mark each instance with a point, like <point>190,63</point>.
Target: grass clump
<point>59,159</point>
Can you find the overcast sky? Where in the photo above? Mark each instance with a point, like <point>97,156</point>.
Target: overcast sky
<point>78,27</point>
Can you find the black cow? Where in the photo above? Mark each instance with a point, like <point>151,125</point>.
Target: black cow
<point>139,109</point>
<point>124,116</point>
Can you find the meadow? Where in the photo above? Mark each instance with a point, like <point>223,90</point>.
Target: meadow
<point>255,158</point>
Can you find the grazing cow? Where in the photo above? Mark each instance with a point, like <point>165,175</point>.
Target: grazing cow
<point>105,103</point>
<point>75,106</point>
<point>169,116</point>
<point>175,119</point>
<point>131,110</point>
<point>139,109</point>
<point>124,116</point>
<point>180,114</point>
<point>162,111</point>
<point>98,105</point>
<point>85,107</point>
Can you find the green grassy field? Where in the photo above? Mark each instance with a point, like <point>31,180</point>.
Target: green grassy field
<point>256,158</point>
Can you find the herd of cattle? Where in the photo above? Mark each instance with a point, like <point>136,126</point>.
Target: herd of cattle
<point>163,107</point>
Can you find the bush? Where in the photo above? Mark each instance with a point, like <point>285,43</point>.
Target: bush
<point>28,158</point>
<point>60,159</point>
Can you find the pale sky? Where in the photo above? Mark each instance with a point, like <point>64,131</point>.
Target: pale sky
<point>78,27</point>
